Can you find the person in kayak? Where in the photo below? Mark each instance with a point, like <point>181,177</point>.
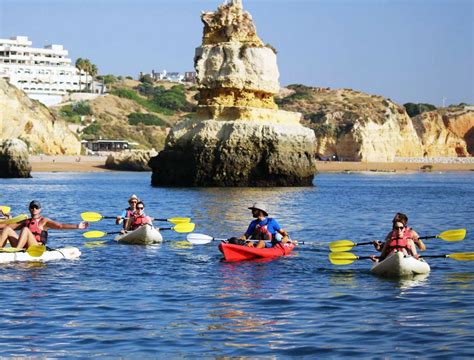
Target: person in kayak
<point>401,239</point>
<point>264,228</point>
<point>138,218</point>
<point>34,231</point>
<point>400,217</point>
<point>128,212</point>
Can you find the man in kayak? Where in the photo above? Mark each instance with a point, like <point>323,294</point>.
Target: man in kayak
<point>128,212</point>
<point>400,217</point>
<point>34,231</point>
<point>264,228</point>
<point>401,238</point>
<point>138,218</point>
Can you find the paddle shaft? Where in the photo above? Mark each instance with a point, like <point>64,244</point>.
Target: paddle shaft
<point>114,217</point>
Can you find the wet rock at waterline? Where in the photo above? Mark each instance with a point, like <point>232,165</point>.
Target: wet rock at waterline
<point>14,159</point>
<point>130,161</point>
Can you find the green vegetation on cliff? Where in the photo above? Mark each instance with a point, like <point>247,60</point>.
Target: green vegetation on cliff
<point>417,109</point>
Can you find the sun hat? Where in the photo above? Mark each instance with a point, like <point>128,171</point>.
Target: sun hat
<point>260,206</point>
<point>133,197</point>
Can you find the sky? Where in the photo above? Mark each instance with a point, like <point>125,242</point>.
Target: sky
<point>405,50</point>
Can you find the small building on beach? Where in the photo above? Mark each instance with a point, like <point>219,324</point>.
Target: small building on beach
<point>107,146</point>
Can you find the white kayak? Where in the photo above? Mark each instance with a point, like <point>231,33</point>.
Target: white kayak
<point>49,255</point>
<point>144,235</point>
<point>399,265</point>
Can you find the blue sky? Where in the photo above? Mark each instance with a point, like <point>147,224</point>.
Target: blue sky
<point>406,50</point>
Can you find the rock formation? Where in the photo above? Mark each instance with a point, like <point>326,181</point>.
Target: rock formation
<point>22,117</point>
<point>130,160</point>
<point>237,137</point>
<point>14,161</point>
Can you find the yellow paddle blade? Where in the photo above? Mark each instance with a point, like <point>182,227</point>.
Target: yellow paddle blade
<point>5,209</point>
<point>91,216</point>
<point>184,228</point>
<point>453,235</point>
<point>179,220</point>
<point>15,219</point>
<point>94,234</point>
<point>462,256</point>
<point>341,245</point>
<point>36,250</point>
<point>342,258</point>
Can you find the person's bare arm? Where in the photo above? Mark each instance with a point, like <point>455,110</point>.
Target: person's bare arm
<point>50,224</point>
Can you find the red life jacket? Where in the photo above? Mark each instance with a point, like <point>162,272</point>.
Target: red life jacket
<point>139,220</point>
<point>40,235</point>
<point>399,244</point>
<point>261,232</point>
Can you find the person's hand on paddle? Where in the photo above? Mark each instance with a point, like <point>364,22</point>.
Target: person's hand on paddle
<point>5,216</point>
<point>374,258</point>
<point>378,245</point>
<point>83,225</point>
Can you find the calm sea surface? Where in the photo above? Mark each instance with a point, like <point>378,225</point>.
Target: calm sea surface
<point>183,301</point>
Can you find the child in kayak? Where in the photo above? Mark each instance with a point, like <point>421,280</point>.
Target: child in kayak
<point>404,219</point>
<point>138,218</point>
<point>34,231</point>
<point>128,212</point>
<point>264,228</point>
<point>401,238</point>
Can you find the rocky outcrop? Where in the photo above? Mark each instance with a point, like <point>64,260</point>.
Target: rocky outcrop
<point>235,153</point>
<point>14,159</point>
<point>136,160</point>
<point>237,137</point>
<point>22,117</point>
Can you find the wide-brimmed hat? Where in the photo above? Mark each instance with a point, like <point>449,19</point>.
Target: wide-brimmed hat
<point>260,206</point>
<point>133,197</point>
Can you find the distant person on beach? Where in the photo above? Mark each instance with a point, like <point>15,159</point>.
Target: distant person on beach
<point>138,218</point>
<point>264,228</point>
<point>401,238</point>
<point>34,231</point>
<point>128,212</point>
<point>415,237</point>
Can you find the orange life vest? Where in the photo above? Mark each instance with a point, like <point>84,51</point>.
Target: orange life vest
<point>399,244</point>
<point>139,220</point>
<point>40,235</point>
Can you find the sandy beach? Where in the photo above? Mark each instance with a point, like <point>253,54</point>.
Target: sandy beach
<point>96,164</point>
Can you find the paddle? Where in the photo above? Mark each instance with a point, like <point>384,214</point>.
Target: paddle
<point>94,216</point>
<point>14,220</point>
<point>346,258</point>
<point>180,228</point>
<point>33,250</point>
<point>449,235</point>
<point>201,239</point>
<point>5,209</point>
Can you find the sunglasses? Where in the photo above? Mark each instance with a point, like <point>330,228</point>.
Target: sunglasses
<point>34,207</point>
<point>140,208</point>
<point>133,201</point>
<point>399,227</point>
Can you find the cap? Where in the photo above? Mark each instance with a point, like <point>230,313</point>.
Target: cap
<point>35,203</point>
<point>260,206</point>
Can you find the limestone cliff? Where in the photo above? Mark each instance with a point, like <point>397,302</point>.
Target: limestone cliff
<point>354,125</point>
<point>14,159</point>
<point>238,136</point>
<point>446,131</point>
<point>31,121</point>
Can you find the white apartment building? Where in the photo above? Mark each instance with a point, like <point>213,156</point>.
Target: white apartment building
<point>45,74</point>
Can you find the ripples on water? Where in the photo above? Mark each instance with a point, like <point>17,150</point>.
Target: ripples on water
<point>180,300</point>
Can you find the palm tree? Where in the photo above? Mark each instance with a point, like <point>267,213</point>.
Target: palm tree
<point>80,63</point>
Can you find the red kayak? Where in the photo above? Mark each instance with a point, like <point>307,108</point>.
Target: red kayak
<point>234,252</point>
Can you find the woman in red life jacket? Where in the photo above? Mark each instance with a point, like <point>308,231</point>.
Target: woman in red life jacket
<point>264,229</point>
<point>128,212</point>
<point>34,230</point>
<point>401,239</point>
<point>138,218</point>
<point>399,217</point>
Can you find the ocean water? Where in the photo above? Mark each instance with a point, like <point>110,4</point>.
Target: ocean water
<point>180,300</point>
